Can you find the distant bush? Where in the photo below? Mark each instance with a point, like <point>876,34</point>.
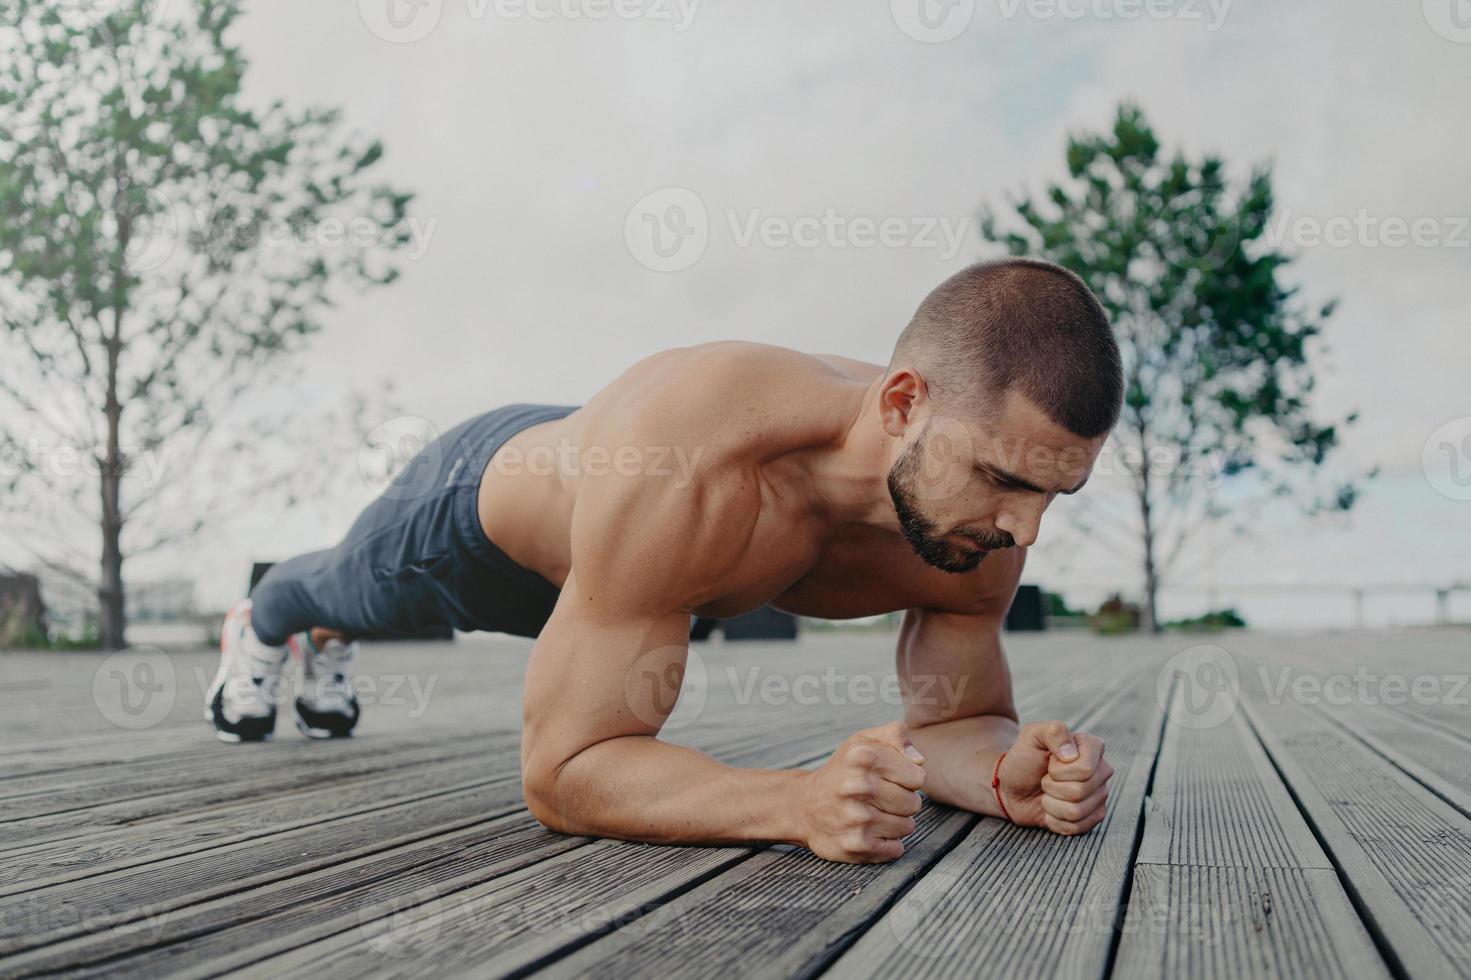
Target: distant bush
<point>1116,616</point>
<point>19,631</point>
<point>1211,622</point>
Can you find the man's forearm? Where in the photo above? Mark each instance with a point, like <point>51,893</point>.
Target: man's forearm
<point>960,756</point>
<point>639,788</point>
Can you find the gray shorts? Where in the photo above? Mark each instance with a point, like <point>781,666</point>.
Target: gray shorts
<point>417,557</point>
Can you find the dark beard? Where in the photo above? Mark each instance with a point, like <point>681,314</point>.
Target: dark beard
<point>922,534</point>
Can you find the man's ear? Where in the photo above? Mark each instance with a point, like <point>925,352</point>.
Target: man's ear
<point>903,396</point>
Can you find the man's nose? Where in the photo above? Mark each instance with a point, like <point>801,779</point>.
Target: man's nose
<point>1022,523</point>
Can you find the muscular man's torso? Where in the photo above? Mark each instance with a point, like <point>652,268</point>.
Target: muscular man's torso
<point>751,413</point>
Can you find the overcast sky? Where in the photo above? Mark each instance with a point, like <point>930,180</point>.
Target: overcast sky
<point>531,130</point>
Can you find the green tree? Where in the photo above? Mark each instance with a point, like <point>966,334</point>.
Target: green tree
<point>162,243</point>
<point>1216,347</point>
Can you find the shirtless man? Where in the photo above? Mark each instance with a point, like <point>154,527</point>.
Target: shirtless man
<point>709,481</point>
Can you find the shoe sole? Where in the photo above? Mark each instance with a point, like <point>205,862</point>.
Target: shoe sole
<point>213,694</point>
<point>319,733</point>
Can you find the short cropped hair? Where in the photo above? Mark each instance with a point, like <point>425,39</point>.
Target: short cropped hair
<point>1018,325</point>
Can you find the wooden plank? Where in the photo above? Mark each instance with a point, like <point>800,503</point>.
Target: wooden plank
<point>209,936</point>
<point>1217,802</point>
<point>116,899</point>
<point>1230,881</point>
<point>787,912</point>
<point>1403,854</point>
<point>233,774</point>
<point>1012,901</point>
<point>516,919</point>
<point>347,953</point>
<point>1436,759</point>
<point>232,823</point>
<point>1269,922</point>
<point>322,896</point>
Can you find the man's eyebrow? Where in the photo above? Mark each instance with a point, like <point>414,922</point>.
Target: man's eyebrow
<point>1016,481</point>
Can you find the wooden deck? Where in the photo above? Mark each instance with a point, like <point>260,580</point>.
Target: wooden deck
<point>1255,836</point>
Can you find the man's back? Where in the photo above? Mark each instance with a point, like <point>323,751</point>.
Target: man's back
<point>721,433</point>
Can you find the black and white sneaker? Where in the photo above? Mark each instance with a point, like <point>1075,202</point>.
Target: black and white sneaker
<point>241,703</point>
<point>327,706</point>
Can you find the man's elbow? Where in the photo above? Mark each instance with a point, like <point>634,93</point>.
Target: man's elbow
<point>539,786</point>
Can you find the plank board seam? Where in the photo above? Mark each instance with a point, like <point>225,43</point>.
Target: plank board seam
<point>1356,899</point>
<point>1433,784</point>
<point>1126,886</point>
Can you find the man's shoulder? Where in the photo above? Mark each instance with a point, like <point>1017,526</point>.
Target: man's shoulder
<point>731,396</point>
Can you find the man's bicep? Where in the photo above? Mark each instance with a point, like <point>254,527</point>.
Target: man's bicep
<point>951,665</point>
<point>595,675</point>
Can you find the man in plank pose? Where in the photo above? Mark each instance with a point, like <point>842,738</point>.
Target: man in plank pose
<point>709,481</point>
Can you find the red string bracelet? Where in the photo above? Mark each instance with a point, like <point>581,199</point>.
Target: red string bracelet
<point>996,786</point>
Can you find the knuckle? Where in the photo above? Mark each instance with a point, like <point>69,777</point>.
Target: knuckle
<point>863,755</point>
<point>856,787</point>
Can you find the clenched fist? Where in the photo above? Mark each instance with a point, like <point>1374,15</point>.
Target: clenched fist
<point>1055,778</point>
<point>862,802</point>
